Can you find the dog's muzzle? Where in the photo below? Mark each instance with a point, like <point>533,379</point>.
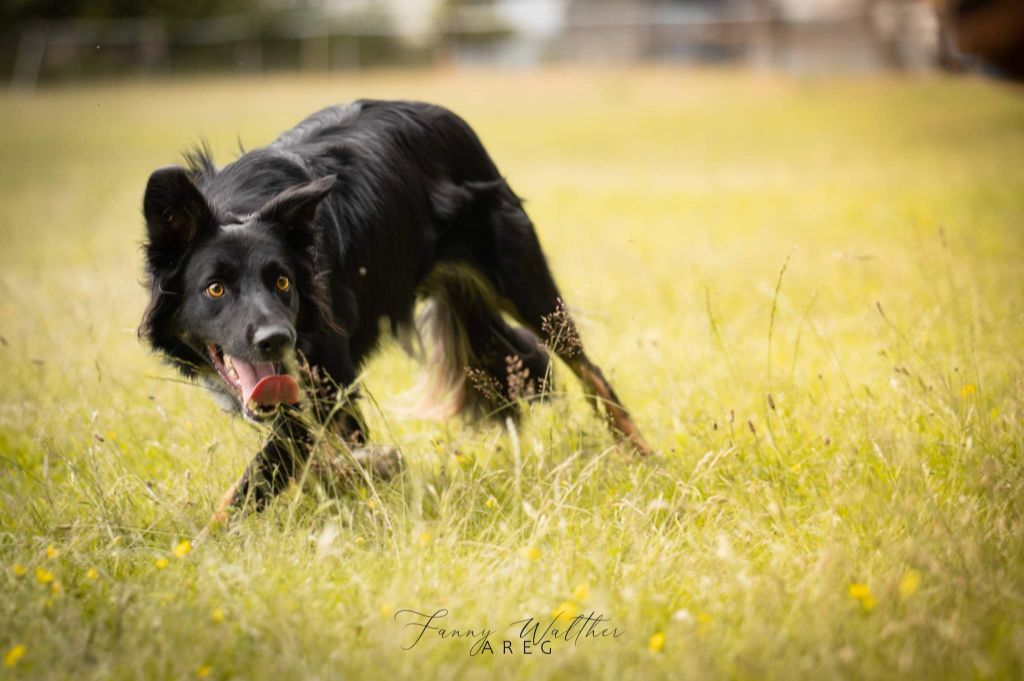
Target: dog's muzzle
<point>260,385</point>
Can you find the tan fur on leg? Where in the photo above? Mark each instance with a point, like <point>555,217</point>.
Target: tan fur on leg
<point>618,417</point>
<point>220,516</point>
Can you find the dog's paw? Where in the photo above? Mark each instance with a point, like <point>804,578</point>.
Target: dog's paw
<point>349,470</point>
<point>382,462</point>
<point>205,535</point>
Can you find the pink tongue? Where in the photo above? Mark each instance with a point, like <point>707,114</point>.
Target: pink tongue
<point>260,384</point>
<point>276,389</point>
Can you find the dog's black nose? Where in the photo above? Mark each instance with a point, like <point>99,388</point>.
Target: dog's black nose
<point>272,341</point>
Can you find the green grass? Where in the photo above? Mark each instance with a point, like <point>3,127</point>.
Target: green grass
<point>852,248</point>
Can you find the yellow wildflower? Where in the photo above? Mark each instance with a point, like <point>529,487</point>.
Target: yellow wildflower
<point>703,623</point>
<point>182,549</point>
<point>13,655</point>
<point>491,502</point>
<point>859,591</point>
<point>425,538</point>
<point>581,592</point>
<point>111,435</point>
<point>531,553</point>
<point>371,504</point>
<point>204,671</point>
<point>862,592</point>
<point>387,610</point>
<point>656,643</point>
<point>217,615</point>
<point>92,573</point>
<point>19,570</point>
<point>566,611</point>
<point>161,563</point>
<point>44,576</point>
<point>968,390</point>
<point>909,584</point>
<point>56,588</point>
<point>51,552</point>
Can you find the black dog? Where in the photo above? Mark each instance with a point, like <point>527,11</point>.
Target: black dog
<point>283,264</point>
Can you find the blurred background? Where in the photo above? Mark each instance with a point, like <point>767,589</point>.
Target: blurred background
<point>45,41</point>
<point>790,238</point>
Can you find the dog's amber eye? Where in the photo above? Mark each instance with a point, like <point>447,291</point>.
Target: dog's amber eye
<point>215,290</point>
<point>283,284</point>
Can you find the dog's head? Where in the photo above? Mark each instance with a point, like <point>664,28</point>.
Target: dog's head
<point>230,296</point>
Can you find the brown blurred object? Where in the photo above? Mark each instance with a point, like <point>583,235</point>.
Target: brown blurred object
<point>992,30</point>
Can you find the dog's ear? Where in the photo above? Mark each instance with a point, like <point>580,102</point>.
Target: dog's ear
<point>176,213</point>
<point>296,206</point>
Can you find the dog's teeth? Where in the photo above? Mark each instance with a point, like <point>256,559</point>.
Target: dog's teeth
<point>230,367</point>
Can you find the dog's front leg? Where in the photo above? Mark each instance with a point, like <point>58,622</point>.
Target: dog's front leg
<point>279,461</point>
<point>356,459</point>
<point>283,457</point>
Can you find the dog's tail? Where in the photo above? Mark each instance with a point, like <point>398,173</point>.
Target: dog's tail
<point>477,364</point>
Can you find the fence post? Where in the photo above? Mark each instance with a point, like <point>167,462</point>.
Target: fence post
<point>29,60</point>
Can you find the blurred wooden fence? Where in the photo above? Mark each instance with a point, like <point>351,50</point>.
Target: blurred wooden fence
<point>594,31</point>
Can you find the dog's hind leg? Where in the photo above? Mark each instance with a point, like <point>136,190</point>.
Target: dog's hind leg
<point>479,365</point>
<point>560,334</point>
<point>503,246</point>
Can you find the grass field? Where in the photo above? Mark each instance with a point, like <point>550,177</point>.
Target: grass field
<point>808,291</point>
